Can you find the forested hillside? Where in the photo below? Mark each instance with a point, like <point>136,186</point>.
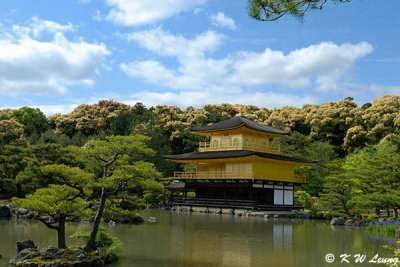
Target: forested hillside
<point>333,133</point>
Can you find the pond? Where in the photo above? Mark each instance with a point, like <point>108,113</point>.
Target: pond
<point>198,239</point>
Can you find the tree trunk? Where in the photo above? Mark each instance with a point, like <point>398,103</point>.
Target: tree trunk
<point>396,214</point>
<point>346,210</point>
<point>90,245</point>
<point>19,191</point>
<point>377,211</point>
<point>61,232</point>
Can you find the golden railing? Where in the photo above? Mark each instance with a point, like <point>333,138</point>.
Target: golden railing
<point>253,146</point>
<point>236,176</point>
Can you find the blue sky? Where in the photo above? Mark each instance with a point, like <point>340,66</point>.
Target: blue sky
<point>56,55</point>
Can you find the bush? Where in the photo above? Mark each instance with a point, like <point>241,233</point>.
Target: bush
<point>103,240</point>
<point>303,199</point>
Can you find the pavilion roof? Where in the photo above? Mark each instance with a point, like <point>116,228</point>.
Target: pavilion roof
<point>233,154</point>
<point>237,122</point>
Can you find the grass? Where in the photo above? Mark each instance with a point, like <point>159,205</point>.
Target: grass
<point>385,228</point>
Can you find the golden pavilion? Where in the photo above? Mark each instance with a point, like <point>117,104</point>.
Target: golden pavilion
<point>238,168</point>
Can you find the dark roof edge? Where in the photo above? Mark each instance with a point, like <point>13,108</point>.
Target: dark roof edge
<point>234,154</point>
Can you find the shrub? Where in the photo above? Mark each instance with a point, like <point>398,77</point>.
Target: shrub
<point>103,240</point>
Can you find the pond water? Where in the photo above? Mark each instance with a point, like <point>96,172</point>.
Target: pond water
<point>197,239</point>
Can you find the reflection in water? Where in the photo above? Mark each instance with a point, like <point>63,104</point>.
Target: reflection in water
<point>283,236</point>
<point>197,239</point>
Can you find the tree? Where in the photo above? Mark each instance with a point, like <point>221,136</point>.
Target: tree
<point>53,205</point>
<point>270,10</point>
<point>115,160</point>
<point>63,199</point>
<point>377,171</point>
<point>11,132</point>
<point>32,119</point>
<point>339,191</point>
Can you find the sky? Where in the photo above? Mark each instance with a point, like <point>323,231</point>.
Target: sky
<point>56,55</point>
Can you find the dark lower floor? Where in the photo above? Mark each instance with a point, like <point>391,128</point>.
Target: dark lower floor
<point>252,194</point>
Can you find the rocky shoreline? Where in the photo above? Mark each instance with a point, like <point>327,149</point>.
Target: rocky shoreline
<point>30,255</point>
<point>294,214</point>
<point>243,212</point>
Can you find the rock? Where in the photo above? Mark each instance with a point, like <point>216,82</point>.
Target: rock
<point>199,209</point>
<point>117,218</point>
<point>239,212</point>
<point>358,223</point>
<point>398,233</point>
<point>138,219</point>
<point>5,211</point>
<point>25,244</point>
<point>110,258</point>
<point>227,211</point>
<point>257,214</point>
<point>53,257</point>
<point>23,213</point>
<point>337,221</point>
<point>152,219</point>
<point>79,255</point>
<point>214,210</point>
<point>349,223</point>
<point>46,251</point>
<point>25,254</point>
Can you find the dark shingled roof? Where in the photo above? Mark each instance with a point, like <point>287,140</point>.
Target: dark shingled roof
<point>236,122</point>
<point>233,154</point>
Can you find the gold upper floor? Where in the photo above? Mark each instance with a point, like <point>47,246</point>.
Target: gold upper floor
<point>239,139</point>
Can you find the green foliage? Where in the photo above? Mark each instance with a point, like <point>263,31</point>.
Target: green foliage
<point>52,201</point>
<point>383,228</point>
<point>270,10</point>
<point>303,199</point>
<point>103,240</point>
<point>4,116</point>
<point>339,191</point>
<point>11,133</point>
<point>129,201</point>
<point>32,119</point>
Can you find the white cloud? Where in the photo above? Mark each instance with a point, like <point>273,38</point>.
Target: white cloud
<point>320,67</point>
<point>164,43</point>
<point>139,12</point>
<point>220,20</point>
<point>49,110</point>
<point>38,26</point>
<point>29,65</point>
<point>200,98</point>
<point>53,109</point>
<point>197,10</point>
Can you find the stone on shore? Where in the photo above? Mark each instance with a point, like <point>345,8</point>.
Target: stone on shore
<point>23,213</point>
<point>337,221</point>
<point>5,211</point>
<point>398,233</point>
<point>117,218</point>
<point>27,243</point>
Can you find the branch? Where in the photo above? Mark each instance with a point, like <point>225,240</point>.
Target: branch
<point>274,9</point>
<point>48,224</point>
<point>105,174</point>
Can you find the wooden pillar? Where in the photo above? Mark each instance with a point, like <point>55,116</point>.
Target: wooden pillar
<point>224,189</point>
